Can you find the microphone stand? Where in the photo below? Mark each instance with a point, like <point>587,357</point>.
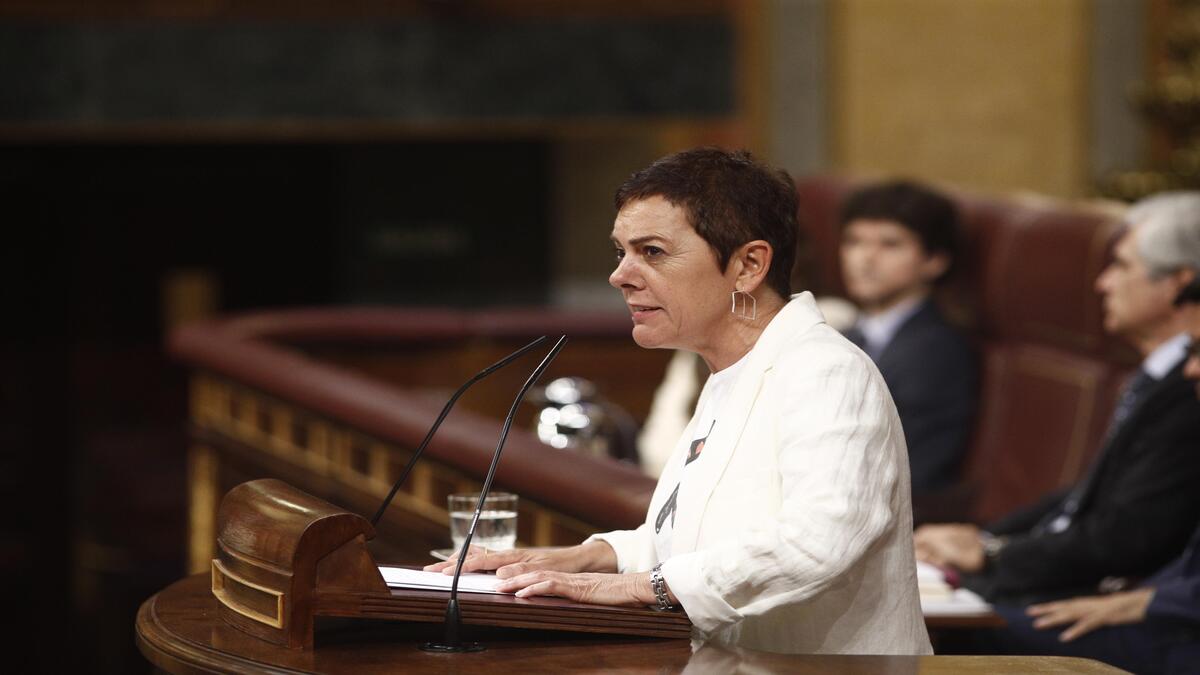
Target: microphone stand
<point>446,411</point>
<point>453,638</point>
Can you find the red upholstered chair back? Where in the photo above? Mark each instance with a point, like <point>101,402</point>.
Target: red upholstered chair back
<point>1023,290</point>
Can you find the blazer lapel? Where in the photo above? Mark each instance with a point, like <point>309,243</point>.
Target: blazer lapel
<point>897,348</point>
<point>698,484</point>
<point>1168,387</point>
<point>1149,400</point>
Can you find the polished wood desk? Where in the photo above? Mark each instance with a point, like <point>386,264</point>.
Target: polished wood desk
<point>179,631</point>
<point>940,622</point>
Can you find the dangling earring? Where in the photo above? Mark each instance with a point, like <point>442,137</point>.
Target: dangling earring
<point>747,303</point>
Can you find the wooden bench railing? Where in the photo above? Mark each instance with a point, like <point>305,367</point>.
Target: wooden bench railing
<point>333,401</point>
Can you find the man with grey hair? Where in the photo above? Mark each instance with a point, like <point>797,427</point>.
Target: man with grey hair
<point>1170,236</point>
<point>1135,508</point>
<point>1154,627</point>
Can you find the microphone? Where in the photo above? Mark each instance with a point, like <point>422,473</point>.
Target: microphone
<point>446,411</point>
<point>453,641</point>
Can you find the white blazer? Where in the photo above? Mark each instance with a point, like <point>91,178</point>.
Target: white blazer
<point>793,533</point>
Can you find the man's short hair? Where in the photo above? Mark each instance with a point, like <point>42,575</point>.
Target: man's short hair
<point>928,214</point>
<point>730,199</point>
<point>1168,231</point>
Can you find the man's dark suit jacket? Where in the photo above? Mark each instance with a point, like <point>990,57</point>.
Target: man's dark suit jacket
<point>1177,587</point>
<point>1135,516</point>
<point>930,370</point>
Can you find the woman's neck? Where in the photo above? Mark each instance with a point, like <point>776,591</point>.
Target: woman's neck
<point>737,336</point>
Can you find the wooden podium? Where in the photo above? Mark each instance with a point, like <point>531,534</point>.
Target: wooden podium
<point>285,557</point>
<point>179,631</point>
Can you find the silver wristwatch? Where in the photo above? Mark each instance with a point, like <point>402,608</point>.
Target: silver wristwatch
<point>660,587</point>
<point>991,544</point>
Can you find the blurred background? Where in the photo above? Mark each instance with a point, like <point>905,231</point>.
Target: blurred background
<point>166,161</point>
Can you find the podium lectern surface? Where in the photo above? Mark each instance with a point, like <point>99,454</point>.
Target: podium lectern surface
<point>286,558</point>
<point>179,631</point>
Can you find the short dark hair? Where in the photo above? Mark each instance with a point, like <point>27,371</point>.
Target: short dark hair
<point>931,216</point>
<point>730,199</point>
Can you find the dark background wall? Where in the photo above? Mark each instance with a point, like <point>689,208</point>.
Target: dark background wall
<point>93,434</point>
<point>153,169</point>
<point>418,69</point>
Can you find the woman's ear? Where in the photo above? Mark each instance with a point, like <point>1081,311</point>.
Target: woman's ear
<point>753,260</point>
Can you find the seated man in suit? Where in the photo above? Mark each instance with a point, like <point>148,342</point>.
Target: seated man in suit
<point>898,241</point>
<point>1154,627</point>
<point>1138,504</point>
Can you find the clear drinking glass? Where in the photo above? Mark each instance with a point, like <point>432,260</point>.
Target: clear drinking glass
<point>497,527</point>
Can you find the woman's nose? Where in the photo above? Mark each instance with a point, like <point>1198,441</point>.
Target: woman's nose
<point>622,276</point>
<point>616,279</point>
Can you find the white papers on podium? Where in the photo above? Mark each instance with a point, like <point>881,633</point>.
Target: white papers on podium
<point>402,577</point>
<point>938,598</point>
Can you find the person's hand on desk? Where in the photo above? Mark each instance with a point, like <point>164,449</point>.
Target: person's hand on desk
<point>584,573</point>
<point>957,545</point>
<point>591,587</point>
<point>1089,613</point>
<point>595,556</point>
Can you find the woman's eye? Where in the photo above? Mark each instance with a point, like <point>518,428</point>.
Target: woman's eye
<point>653,251</point>
<point>620,253</point>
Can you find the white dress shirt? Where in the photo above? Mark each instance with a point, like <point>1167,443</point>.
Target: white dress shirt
<point>1166,356</point>
<point>879,329</point>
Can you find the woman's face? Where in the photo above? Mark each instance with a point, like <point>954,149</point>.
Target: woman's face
<point>669,277</point>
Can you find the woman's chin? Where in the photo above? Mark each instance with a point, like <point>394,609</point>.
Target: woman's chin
<point>646,338</point>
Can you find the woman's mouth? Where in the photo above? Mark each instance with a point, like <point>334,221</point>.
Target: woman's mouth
<point>641,312</point>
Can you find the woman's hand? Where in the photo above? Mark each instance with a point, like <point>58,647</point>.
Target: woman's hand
<point>1087,614</point>
<point>955,545</point>
<point>595,556</point>
<point>594,588</point>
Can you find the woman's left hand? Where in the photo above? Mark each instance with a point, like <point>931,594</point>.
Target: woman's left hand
<point>590,587</point>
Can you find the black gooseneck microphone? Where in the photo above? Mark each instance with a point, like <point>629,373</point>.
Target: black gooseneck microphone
<point>453,638</point>
<point>446,411</point>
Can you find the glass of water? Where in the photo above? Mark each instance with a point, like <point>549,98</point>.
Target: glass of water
<point>497,527</point>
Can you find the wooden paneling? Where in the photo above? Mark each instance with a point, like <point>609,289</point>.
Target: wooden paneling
<point>991,94</point>
<point>242,434</point>
<point>623,374</point>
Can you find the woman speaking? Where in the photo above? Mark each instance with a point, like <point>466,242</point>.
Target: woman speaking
<point>782,520</point>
